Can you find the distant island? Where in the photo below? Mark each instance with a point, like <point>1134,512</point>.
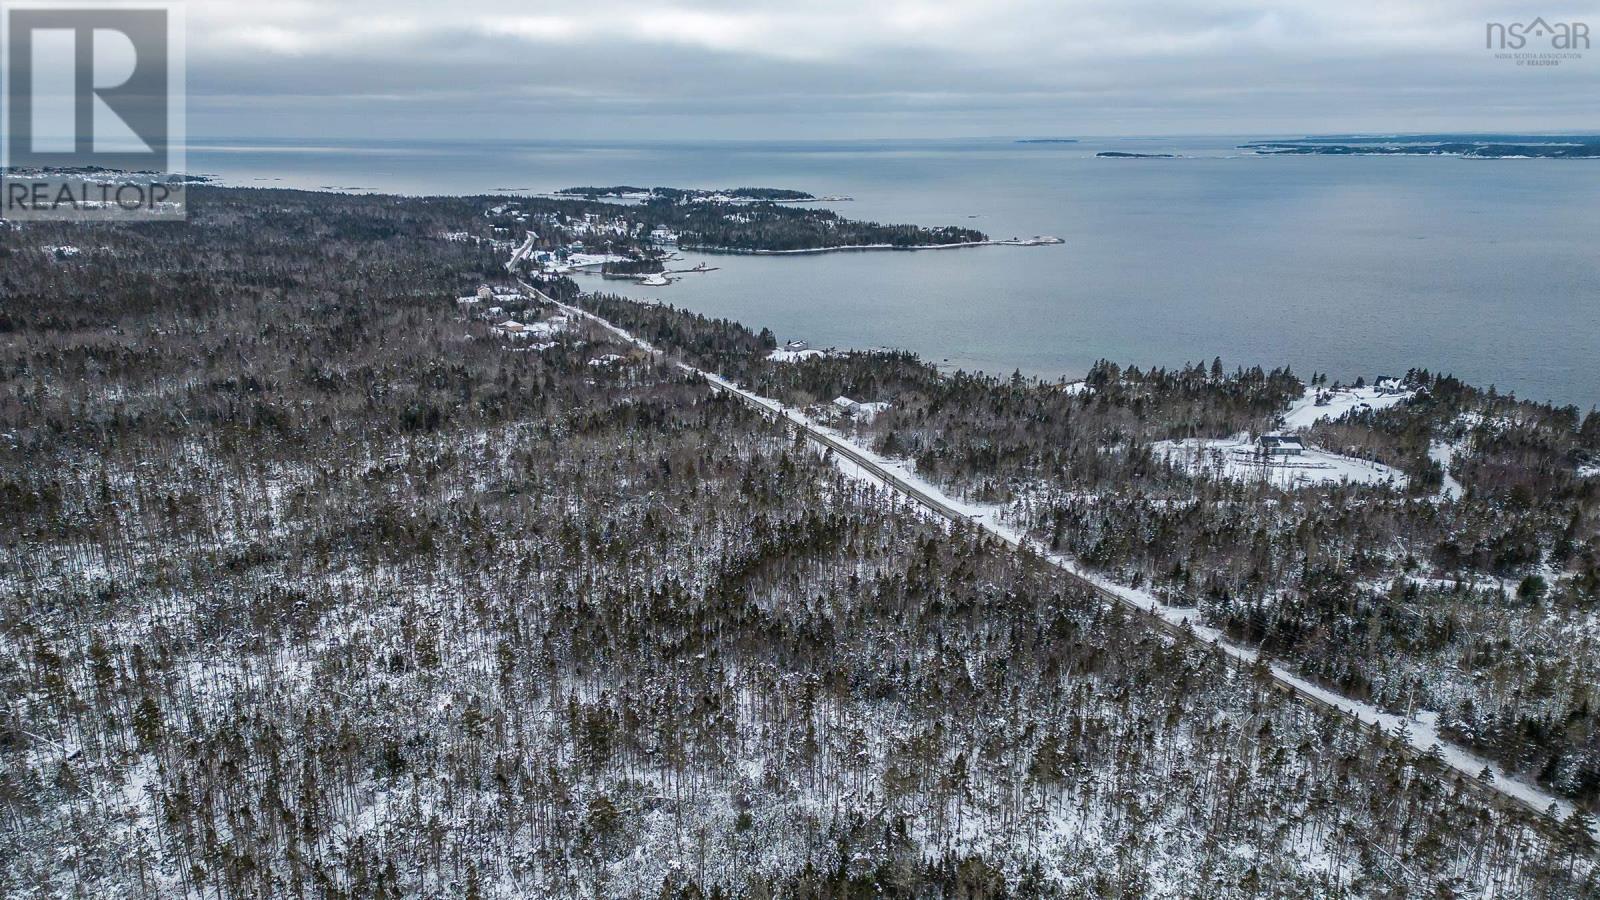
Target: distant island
<point>1118,154</point>
<point>1048,141</point>
<point>1486,146</point>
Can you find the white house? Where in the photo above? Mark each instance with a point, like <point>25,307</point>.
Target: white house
<point>858,409</point>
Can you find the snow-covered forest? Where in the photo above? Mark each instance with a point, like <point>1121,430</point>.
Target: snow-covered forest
<point>1465,592</point>
<point>314,585</point>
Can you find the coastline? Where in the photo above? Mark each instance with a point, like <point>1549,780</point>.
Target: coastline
<point>1414,733</point>
<point>1040,241</point>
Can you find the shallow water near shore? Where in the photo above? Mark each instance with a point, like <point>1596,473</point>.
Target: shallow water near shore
<point>1348,265</point>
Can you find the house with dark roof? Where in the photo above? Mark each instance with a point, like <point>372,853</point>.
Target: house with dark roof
<point>1280,445</point>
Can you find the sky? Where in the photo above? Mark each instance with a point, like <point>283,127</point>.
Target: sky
<point>840,69</point>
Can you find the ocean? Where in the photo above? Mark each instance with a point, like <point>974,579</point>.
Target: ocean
<point>1353,266</point>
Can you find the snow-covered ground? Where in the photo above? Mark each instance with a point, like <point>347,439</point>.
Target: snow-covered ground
<point>788,356</point>
<point>1589,471</point>
<point>855,409</point>
<point>522,252</point>
<point>1444,454</point>
<point>1236,458</point>
<point>1420,731</point>
<point>541,331</point>
<point>1036,241</point>
<point>589,260</point>
<point>1317,404</point>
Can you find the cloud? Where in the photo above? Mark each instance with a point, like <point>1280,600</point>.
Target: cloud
<point>1005,66</point>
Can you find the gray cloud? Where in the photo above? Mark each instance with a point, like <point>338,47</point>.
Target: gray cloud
<point>832,68</point>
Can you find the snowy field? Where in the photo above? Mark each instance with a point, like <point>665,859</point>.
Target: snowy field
<point>789,356</point>
<point>1317,404</point>
<point>1236,458</point>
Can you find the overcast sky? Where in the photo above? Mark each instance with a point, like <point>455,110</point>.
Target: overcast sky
<point>854,68</point>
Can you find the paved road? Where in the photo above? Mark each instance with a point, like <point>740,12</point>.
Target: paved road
<point>1493,792</point>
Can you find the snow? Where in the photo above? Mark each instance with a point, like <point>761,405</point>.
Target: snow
<point>1420,731</point>
<point>1589,471</point>
<point>1237,459</point>
<point>789,356</point>
<point>861,411</point>
<point>1036,241</point>
<point>522,252</point>
<point>589,260</point>
<point>544,330</point>
<point>547,328</point>
<point>1306,412</point>
<point>1444,454</point>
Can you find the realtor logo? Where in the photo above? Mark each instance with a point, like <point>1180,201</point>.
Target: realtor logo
<point>94,111</point>
<point>1537,43</point>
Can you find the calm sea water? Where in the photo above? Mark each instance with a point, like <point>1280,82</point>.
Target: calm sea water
<point>1347,265</point>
